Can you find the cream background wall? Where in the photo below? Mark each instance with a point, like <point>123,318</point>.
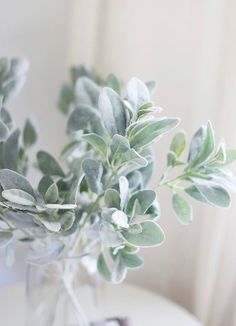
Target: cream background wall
<point>189,47</point>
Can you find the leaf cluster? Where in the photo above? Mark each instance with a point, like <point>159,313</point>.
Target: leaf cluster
<point>98,200</point>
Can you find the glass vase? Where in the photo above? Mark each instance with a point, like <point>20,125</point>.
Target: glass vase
<point>63,293</point>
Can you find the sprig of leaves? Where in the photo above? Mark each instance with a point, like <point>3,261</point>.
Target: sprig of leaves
<point>97,199</point>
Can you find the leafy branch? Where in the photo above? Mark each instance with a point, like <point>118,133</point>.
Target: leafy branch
<point>99,201</point>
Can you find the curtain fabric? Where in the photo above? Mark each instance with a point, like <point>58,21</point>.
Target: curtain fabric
<point>189,48</point>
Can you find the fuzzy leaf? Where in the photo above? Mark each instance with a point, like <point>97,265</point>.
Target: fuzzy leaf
<point>215,195</point>
<point>97,142</point>
<point>103,268</point>
<point>113,111</point>
<point>178,143</point>
<point>87,91</point>
<point>11,150</point>
<point>151,235</point>
<point>12,180</point>
<point>52,194</point>
<point>143,133</point>
<point>4,131</point>
<point>29,134</point>
<point>121,153</point>
<point>18,196</point>
<point>85,117</point>
<point>93,173</point>
<point>120,219</point>
<point>119,271</point>
<point>145,199</point>
<point>131,261</point>
<point>182,209</point>
<point>113,83</point>
<point>112,198</point>
<point>20,219</point>
<point>202,145</point>
<point>48,165</point>
<point>109,236</point>
<point>44,184</point>
<point>137,93</point>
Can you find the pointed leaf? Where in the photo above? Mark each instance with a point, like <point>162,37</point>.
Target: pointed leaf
<point>11,150</point>
<point>113,111</point>
<point>52,194</point>
<point>182,209</point>
<point>137,93</point>
<point>19,197</point>
<point>119,271</point>
<point>143,133</point>
<point>93,173</point>
<point>178,143</point>
<point>109,236</point>
<point>97,142</point>
<point>113,83</point>
<point>145,199</point>
<point>29,134</point>
<point>13,180</point>
<point>103,268</point>
<point>112,198</point>
<point>4,131</point>
<point>131,261</point>
<point>48,165</point>
<point>87,91</point>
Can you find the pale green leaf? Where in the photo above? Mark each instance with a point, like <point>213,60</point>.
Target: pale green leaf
<point>145,199</point>
<point>109,236</point>
<point>11,150</point>
<point>137,93</point>
<point>4,131</point>
<point>48,165</point>
<point>178,143</point>
<point>87,91</point>
<point>119,271</point>
<point>97,142</point>
<point>182,209</point>
<point>113,82</point>
<point>103,268</point>
<point>131,261</point>
<point>52,194</point>
<point>143,133</point>
<point>215,195</point>
<point>29,134</point>
<point>20,219</point>
<point>151,235</point>
<point>112,198</point>
<point>19,197</point>
<point>93,173</point>
<point>13,180</point>
<point>113,111</point>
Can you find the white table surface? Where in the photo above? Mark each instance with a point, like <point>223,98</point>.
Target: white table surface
<point>143,307</point>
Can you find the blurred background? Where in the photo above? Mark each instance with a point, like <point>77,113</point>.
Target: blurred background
<point>189,48</point>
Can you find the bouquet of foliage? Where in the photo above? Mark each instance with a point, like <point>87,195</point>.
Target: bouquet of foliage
<point>99,204</point>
